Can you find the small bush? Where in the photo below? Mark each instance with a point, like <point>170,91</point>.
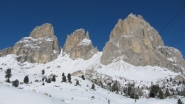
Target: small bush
<point>15,83</point>
<point>77,83</point>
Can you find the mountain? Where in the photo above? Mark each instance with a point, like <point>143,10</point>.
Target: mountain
<point>133,40</point>
<point>40,47</point>
<point>128,67</point>
<point>79,45</point>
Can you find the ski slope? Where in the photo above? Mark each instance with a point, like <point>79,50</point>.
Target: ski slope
<point>10,95</point>
<point>66,93</point>
<point>67,65</point>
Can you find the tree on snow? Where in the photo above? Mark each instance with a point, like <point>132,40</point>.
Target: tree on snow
<point>83,77</point>
<point>179,101</point>
<point>43,72</point>
<point>26,79</point>
<point>64,78</point>
<point>161,94</point>
<point>63,74</point>
<point>69,77</point>
<point>93,86</point>
<point>53,78</point>
<point>77,83</point>
<point>167,93</point>
<point>48,80</point>
<point>8,74</point>
<point>15,83</point>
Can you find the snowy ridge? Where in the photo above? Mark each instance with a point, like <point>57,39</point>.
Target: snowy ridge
<point>33,43</point>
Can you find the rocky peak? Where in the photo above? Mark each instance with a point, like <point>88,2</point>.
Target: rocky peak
<point>45,30</point>
<point>41,47</point>
<point>79,45</point>
<point>135,41</point>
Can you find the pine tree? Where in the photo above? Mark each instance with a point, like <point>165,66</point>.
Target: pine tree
<point>167,93</point>
<point>26,79</point>
<point>69,77</point>
<point>170,79</point>
<point>129,90</point>
<point>93,86</point>
<point>43,72</point>
<point>8,74</point>
<point>15,83</point>
<point>53,78</point>
<point>64,78</point>
<point>179,101</point>
<point>43,79</point>
<point>161,94</point>
<point>154,90</point>
<point>8,80</point>
<point>63,74</point>
<point>48,80</point>
<point>83,77</point>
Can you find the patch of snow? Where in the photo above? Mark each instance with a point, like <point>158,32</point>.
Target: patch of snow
<point>84,42</point>
<point>54,51</point>
<point>49,39</point>
<point>171,59</point>
<point>11,95</point>
<point>31,46</point>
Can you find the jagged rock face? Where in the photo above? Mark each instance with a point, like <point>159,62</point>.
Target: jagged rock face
<point>78,45</point>
<point>41,47</point>
<point>135,41</point>
<point>46,30</point>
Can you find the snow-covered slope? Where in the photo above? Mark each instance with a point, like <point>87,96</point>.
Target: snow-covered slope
<point>66,93</point>
<point>9,95</point>
<point>67,65</point>
<point>63,93</point>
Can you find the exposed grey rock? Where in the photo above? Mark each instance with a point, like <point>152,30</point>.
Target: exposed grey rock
<point>78,45</point>
<point>41,47</point>
<point>135,41</point>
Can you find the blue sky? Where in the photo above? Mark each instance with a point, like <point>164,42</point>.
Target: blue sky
<point>19,17</point>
